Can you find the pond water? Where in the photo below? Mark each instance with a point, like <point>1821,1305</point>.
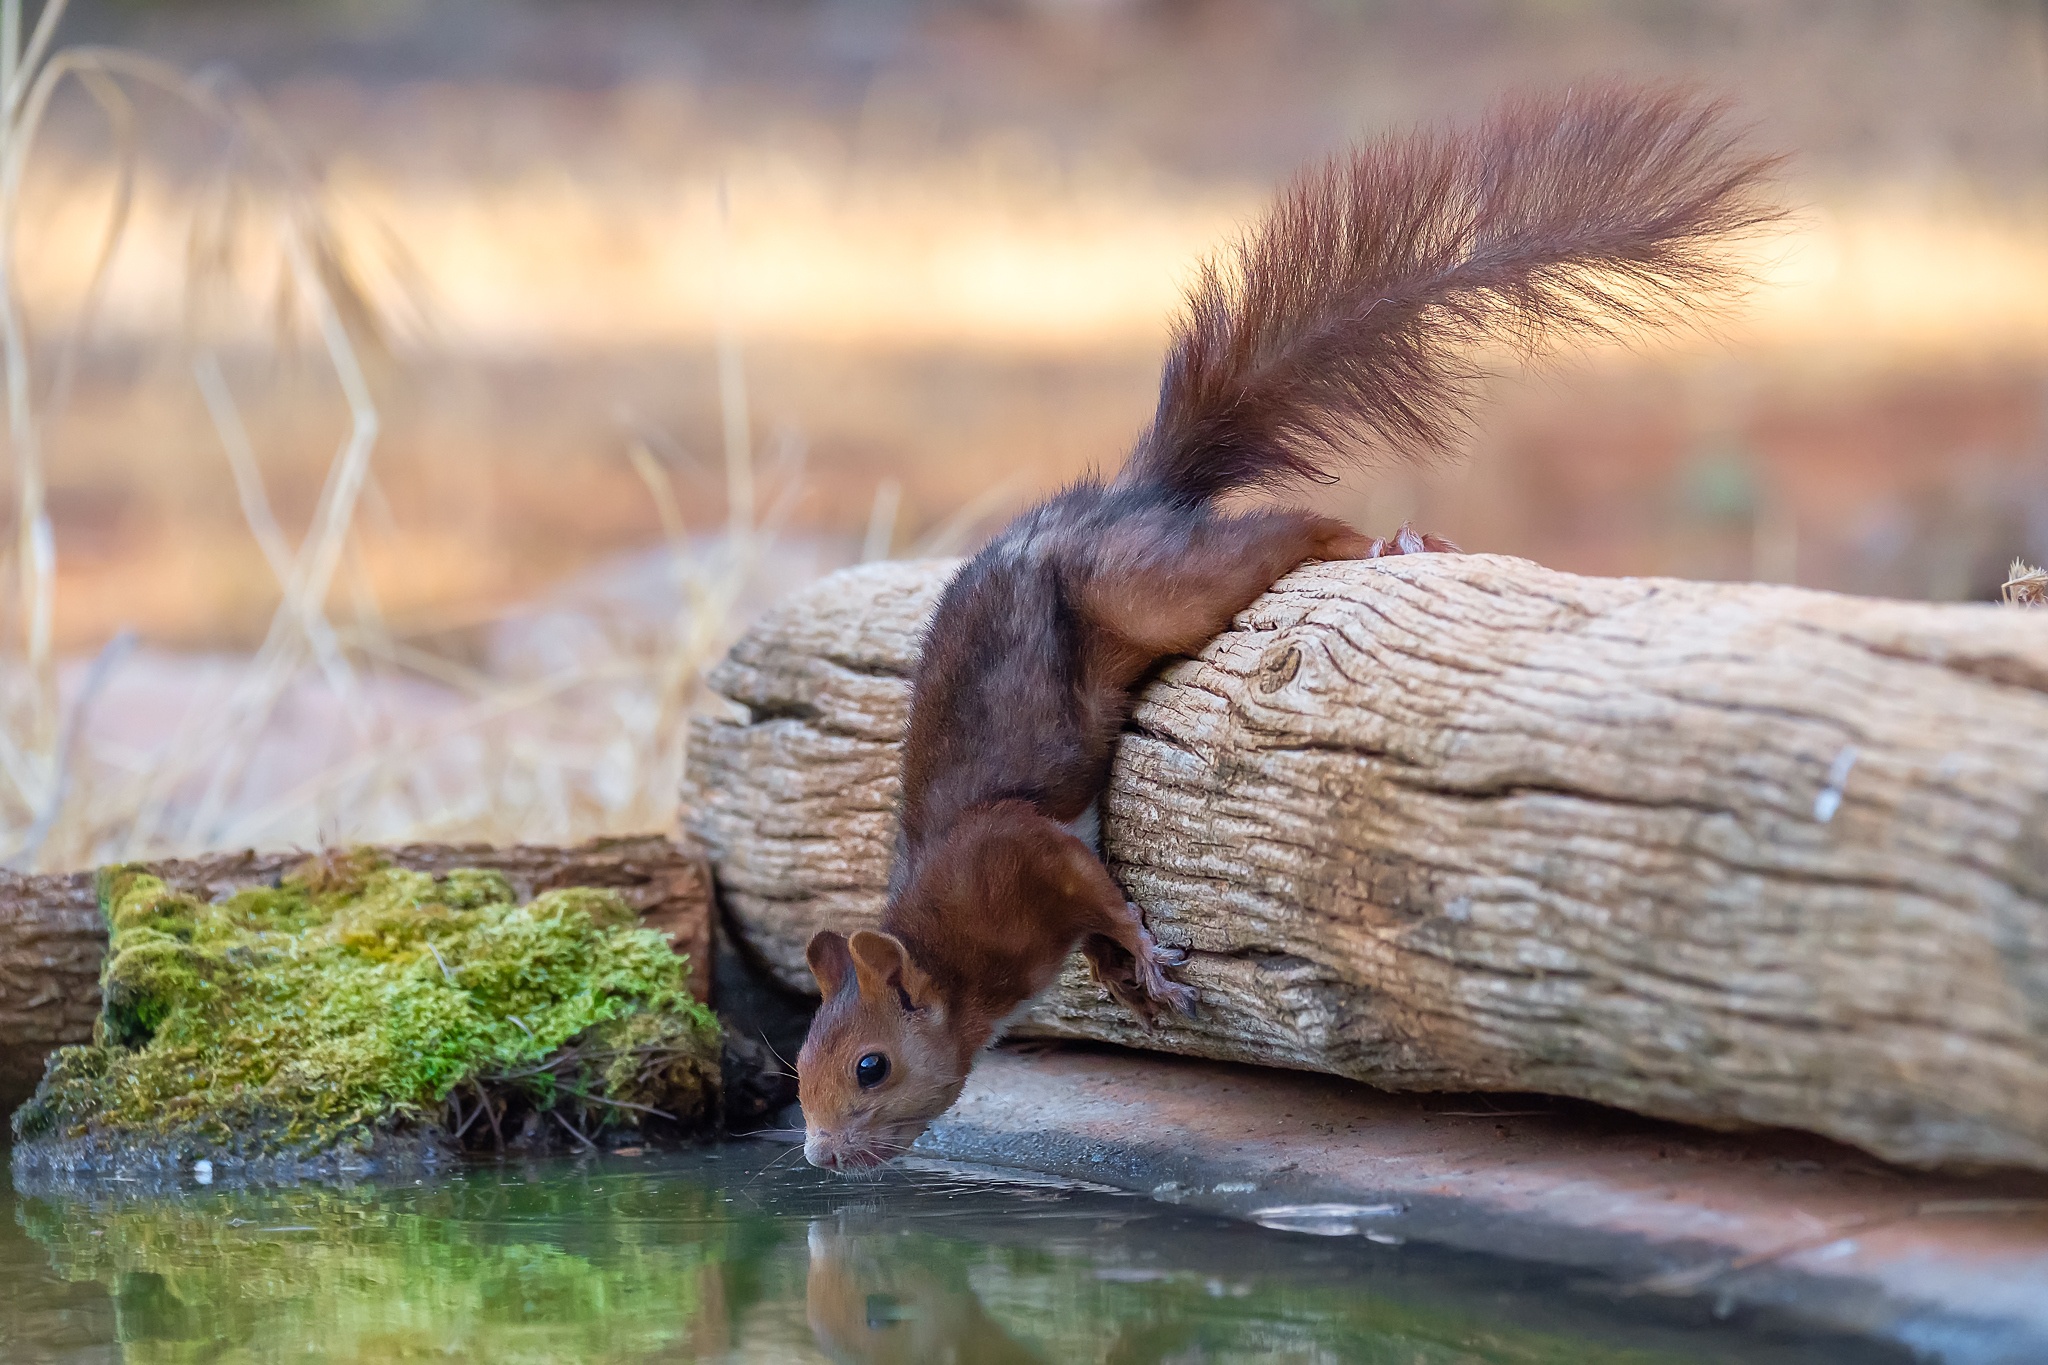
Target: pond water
<point>742,1253</point>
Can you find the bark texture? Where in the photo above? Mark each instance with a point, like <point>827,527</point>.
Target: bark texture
<point>52,937</point>
<point>1732,854</point>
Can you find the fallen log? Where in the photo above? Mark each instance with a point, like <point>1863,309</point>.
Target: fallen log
<point>52,937</point>
<point>1732,854</point>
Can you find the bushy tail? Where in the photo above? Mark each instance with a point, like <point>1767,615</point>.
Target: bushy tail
<point>1348,321</point>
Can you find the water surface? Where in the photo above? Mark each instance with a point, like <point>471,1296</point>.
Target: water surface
<point>740,1253</point>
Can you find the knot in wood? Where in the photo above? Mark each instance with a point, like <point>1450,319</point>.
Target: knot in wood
<point>1278,668</point>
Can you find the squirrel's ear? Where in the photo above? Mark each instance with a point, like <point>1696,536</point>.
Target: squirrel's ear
<point>886,972</point>
<point>830,962</point>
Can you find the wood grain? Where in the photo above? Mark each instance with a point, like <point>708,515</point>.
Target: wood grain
<point>1733,854</point>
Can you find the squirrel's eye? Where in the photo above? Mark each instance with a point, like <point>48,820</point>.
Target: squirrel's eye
<point>871,1070</point>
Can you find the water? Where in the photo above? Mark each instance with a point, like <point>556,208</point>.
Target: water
<point>741,1254</point>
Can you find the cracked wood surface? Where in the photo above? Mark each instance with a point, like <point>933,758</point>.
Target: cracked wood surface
<point>1732,854</point>
<point>52,938</point>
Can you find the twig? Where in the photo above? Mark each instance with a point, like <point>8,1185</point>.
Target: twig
<point>574,1131</point>
<point>456,1103</point>
<point>507,1077</point>
<point>491,1113</point>
<point>574,1054</point>
<point>621,1104</point>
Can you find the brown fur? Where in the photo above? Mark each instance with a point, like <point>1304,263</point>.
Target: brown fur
<point>1346,319</point>
<point>868,1301</point>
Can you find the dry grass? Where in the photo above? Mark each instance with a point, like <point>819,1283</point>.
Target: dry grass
<point>427,746</point>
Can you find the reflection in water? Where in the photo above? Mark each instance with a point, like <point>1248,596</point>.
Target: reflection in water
<point>491,1266</point>
<point>868,1301</point>
<point>727,1254</point>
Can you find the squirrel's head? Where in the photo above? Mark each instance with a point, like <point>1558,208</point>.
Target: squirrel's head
<point>879,1063</point>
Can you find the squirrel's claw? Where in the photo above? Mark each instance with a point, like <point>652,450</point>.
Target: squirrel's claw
<point>1138,980</point>
<point>1338,541</point>
<point>1151,964</point>
<point>1409,541</point>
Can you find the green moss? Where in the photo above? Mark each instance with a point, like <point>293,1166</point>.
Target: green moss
<point>356,1003</point>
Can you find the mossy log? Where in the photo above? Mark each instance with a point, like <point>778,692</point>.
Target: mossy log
<point>1733,854</point>
<point>52,937</point>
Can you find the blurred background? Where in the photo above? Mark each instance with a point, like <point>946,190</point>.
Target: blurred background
<point>407,400</point>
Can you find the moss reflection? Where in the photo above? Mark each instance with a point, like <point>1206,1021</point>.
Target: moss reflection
<point>508,1271</point>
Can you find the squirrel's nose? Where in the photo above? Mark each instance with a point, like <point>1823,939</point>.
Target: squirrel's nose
<point>818,1151</point>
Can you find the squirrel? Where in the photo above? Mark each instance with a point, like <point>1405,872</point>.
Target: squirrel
<point>1346,321</point>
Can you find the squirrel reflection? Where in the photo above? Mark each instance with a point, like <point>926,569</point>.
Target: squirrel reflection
<point>867,1305</point>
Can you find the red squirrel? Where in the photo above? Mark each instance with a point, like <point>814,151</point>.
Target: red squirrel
<point>1347,320</point>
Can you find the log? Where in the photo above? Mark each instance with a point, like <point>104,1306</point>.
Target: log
<point>1732,854</point>
<point>52,937</point>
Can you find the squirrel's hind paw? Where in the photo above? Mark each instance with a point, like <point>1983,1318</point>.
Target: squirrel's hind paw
<point>1409,541</point>
<point>1352,544</point>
